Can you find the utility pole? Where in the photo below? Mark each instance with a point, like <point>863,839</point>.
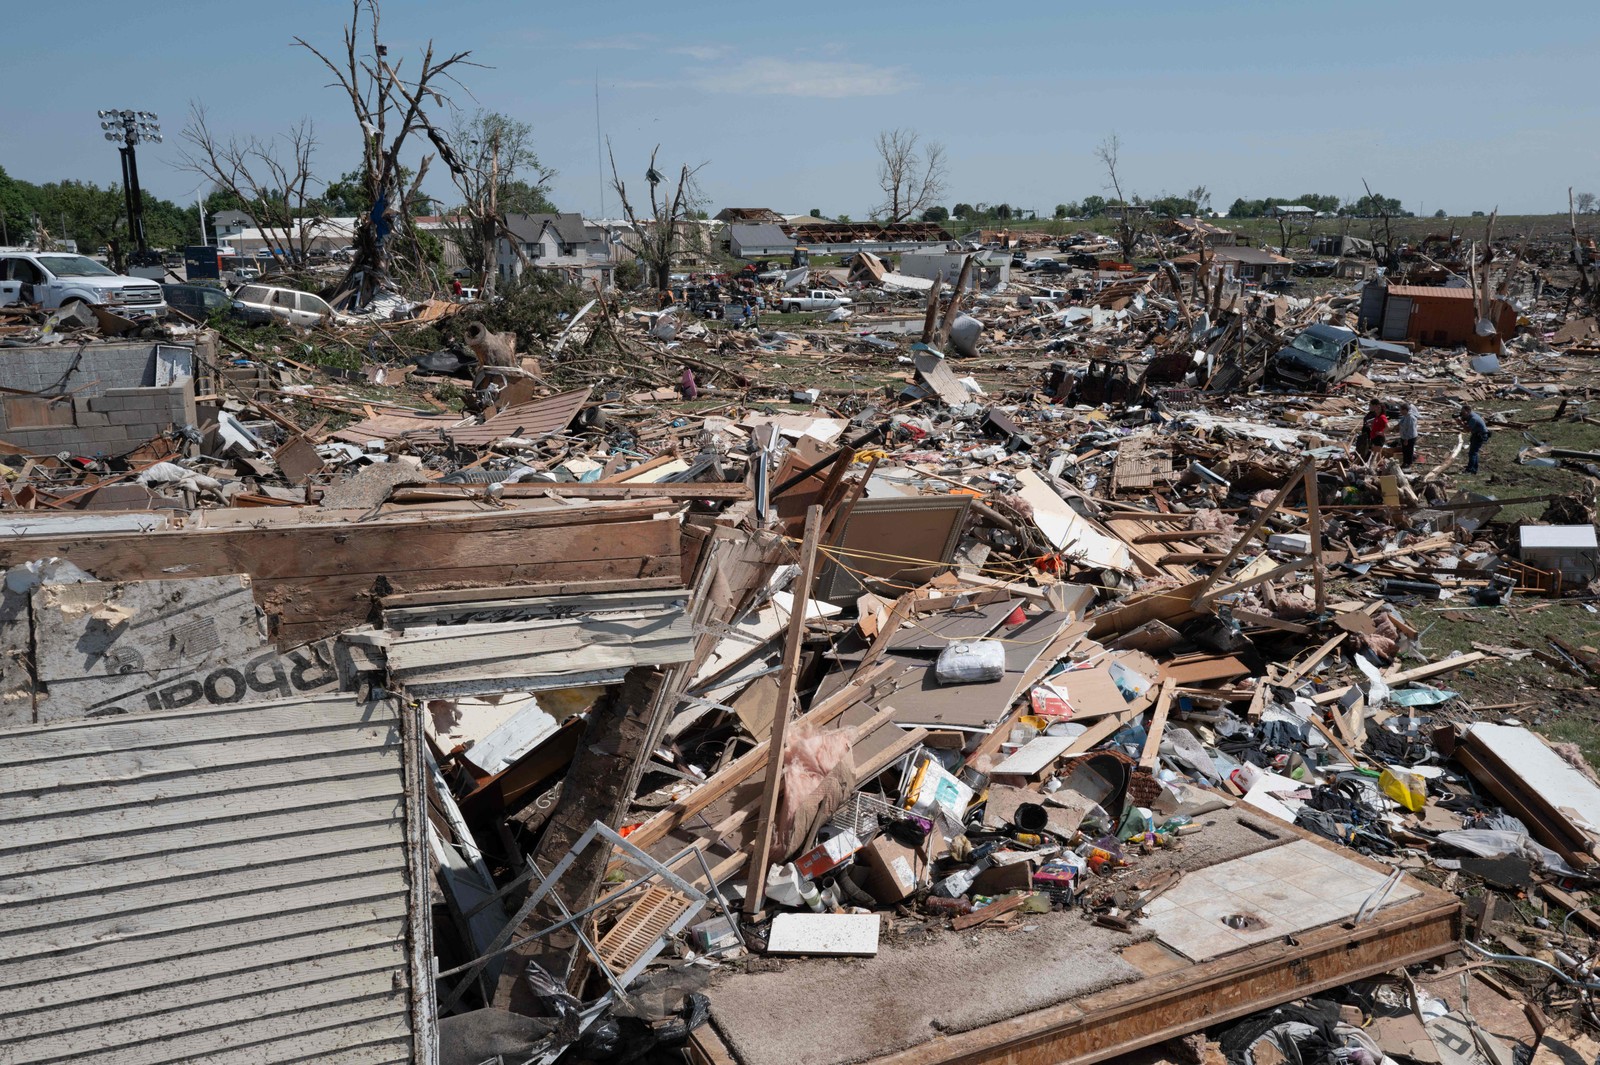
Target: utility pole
<point>132,128</point>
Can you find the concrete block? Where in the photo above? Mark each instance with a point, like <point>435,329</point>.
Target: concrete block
<point>88,419</point>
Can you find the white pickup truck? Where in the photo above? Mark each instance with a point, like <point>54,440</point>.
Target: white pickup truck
<point>55,279</point>
<point>818,299</point>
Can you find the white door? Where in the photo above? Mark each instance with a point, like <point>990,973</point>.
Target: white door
<point>10,291</point>
<point>312,309</point>
<point>283,306</point>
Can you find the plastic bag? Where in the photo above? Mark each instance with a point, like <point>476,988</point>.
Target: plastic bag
<point>971,662</point>
<point>1406,788</point>
<point>603,1040</point>
<point>551,999</point>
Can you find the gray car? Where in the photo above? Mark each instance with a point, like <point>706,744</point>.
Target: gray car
<point>1317,359</point>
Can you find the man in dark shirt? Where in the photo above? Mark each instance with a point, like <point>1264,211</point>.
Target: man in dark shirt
<point>1478,431</point>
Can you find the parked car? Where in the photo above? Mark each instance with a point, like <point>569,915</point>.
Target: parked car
<point>57,279</point>
<point>1317,359</point>
<point>199,302</point>
<point>264,304</point>
<point>1050,266</point>
<point>818,299</point>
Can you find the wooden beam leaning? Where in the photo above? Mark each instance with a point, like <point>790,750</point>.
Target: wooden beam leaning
<point>755,895</point>
<point>1314,531</point>
<point>1249,534</point>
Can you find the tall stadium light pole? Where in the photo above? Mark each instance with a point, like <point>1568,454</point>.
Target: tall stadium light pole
<point>131,128</point>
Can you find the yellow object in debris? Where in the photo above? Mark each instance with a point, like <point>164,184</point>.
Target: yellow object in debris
<point>1406,788</point>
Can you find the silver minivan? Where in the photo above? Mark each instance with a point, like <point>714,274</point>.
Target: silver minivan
<point>263,304</point>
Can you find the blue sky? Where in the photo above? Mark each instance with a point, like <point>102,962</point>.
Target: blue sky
<point>1462,106</point>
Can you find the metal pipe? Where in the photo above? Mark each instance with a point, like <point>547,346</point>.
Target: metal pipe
<point>1509,959</point>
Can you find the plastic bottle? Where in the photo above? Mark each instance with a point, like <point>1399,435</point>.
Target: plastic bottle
<point>812,897</point>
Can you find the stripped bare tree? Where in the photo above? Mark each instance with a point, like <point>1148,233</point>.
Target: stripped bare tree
<point>389,108</point>
<point>492,152</point>
<point>911,180</point>
<point>671,227</point>
<point>271,179</point>
<point>1129,222</point>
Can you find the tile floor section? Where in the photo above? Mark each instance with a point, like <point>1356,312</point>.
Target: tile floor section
<point>1284,889</point>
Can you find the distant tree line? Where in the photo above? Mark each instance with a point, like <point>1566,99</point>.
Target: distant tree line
<point>1368,206</point>
<point>1196,201</point>
<point>93,215</point>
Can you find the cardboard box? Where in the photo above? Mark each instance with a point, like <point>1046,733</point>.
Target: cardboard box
<point>826,856</point>
<point>894,871</point>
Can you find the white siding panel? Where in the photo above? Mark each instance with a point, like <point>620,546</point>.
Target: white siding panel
<point>201,916</point>
<point>194,1007</point>
<point>30,805</point>
<point>120,955</point>
<point>257,1040</point>
<point>223,884</point>
<point>130,767</point>
<point>177,869</point>
<point>120,822</point>
<point>263,823</point>
<point>322,878</point>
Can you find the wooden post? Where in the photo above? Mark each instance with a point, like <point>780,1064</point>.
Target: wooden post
<point>756,889</point>
<point>1158,726</point>
<point>1255,527</point>
<point>954,309</point>
<point>931,319</point>
<point>1314,532</point>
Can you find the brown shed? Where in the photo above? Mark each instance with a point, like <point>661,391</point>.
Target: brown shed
<point>1439,317</point>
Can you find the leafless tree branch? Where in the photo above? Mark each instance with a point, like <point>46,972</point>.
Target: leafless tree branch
<point>380,99</point>
<point>910,181</point>
<point>662,235</point>
<point>1129,223</point>
<point>271,179</point>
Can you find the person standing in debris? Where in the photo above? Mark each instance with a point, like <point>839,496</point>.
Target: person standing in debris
<point>1478,431</point>
<point>1374,428</point>
<point>1407,430</point>
<point>455,288</point>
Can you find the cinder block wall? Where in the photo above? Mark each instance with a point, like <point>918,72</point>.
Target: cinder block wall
<point>115,405</point>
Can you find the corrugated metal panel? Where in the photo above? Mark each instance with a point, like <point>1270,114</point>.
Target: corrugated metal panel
<point>1432,292</point>
<point>226,884</point>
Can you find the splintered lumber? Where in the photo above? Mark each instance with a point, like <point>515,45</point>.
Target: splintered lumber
<point>871,767</point>
<point>746,765</point>
<point>985,914</point>
<point>794,640</point>
<point>1255,527</point>
<point>1293,678</point>
<point>1314,531</point>
<point>677,490</point>
<point>1158,725</point>
<point>1432,669</point>
<point>315,578</point>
